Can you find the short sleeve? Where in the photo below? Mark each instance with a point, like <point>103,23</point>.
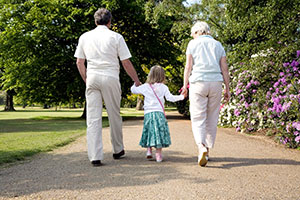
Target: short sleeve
<point>79,53</point>
<point>188,49</point>
<point>123,51</point>
<point>222,51</point>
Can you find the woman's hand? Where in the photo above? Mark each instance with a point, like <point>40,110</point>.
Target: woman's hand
<point>184,92</point>
<point>227,95</point>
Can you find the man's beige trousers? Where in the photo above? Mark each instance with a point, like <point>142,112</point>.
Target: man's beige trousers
<point>99,88</point>
<point>205,99</point>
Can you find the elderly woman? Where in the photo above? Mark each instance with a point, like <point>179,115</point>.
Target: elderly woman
<point>205,70</point>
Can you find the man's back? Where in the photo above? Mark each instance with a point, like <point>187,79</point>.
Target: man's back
<point>101,48</point>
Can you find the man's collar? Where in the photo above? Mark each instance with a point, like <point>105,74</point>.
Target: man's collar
<point>102,26</point>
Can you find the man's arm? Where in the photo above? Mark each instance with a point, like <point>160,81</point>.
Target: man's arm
<point>81,68</point>
<point>131,71</point>
<point>225,73</point>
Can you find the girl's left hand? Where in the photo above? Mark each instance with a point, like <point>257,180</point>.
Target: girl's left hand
<point>184,92</point>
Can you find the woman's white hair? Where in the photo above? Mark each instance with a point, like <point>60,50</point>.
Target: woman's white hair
<point>201,27</point>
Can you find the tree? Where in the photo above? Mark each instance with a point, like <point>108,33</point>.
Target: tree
<point>254,27</point>
<point>37,46</point>
<point>38,40</point>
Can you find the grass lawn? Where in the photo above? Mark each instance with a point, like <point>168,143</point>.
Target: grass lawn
<point>32,130</point>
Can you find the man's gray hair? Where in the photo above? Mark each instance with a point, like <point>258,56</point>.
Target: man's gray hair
<point>201,27</point>
<point>102,16</point>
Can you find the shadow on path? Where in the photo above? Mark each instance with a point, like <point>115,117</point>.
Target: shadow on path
<point>74,172</point>
<point>230,162</point>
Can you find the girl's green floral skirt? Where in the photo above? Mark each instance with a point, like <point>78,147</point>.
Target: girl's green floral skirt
<point>156,131</point>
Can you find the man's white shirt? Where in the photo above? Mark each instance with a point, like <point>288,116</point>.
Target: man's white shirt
<point>101,48</point>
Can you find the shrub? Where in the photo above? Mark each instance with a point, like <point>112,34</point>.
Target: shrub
<point>283,104</point>
<point>266,95</point>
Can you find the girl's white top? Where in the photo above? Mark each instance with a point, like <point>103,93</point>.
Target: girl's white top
<point>151,103</point>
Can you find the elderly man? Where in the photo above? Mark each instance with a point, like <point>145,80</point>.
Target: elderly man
<point>102,48</point>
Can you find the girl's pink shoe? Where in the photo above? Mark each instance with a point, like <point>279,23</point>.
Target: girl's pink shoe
<point>149,153</point>
<point>158,157</point>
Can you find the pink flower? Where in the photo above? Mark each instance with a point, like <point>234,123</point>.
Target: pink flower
<point>248,86</point>
<point>287,128</point>
<point>236,112</point>
<point>286,64</point>
<point>297,139</point>
<point>246,105</point>
<point>296,125</point>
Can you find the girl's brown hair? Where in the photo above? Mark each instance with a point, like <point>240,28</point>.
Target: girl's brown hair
<point>156,75</point>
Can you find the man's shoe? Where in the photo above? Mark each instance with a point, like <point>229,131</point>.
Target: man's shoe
<point>96,163</point>
<point>202,158</point>
<point>119,155</point>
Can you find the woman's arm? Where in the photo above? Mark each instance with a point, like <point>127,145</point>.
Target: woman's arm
<point>225,74</point>
<point>187,72</point>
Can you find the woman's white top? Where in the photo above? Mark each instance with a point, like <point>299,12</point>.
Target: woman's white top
<point>207,53</point>
<point>151,103</point>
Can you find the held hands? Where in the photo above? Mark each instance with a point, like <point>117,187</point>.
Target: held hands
<point>184,91</point>
<point>137,83</point>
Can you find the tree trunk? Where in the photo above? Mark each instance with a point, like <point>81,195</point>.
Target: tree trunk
<point>83,116</point>
<point>139,104</point>
<point>9,104</point>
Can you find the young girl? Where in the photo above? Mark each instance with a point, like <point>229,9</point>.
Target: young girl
<point>156,131</point>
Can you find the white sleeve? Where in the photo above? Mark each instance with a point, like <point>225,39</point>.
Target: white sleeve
<point>171,97</point>
<point>79,53</point>
<point>137,90</point>
<point>123,51</point>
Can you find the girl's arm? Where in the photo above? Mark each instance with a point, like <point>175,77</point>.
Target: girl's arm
<point>137,90</point>
<point>171,97</point>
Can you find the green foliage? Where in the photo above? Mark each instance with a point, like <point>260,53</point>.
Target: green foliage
<point>37,47</point>
<point>253,27</point>
<point>38,40</point>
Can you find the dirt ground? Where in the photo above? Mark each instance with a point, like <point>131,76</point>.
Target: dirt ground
<point>240,167</point>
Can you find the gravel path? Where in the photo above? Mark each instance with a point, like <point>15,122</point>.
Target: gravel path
<point>241,167</point>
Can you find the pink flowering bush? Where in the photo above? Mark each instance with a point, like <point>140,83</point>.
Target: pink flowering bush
<point>265,96</point>
<point>283,104</point>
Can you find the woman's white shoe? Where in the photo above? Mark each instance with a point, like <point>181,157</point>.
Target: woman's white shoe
<point>202,157</point>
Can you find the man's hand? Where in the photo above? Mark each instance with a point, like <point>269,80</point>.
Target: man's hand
<point>137,83</point>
